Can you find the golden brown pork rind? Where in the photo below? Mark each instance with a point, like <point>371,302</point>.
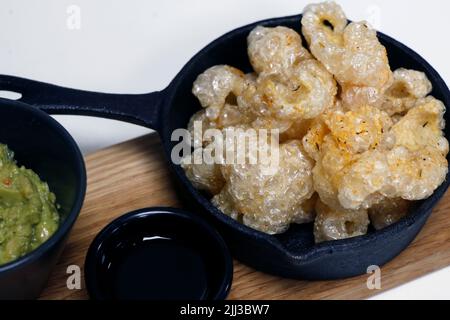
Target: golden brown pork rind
<point>408,86</point>
<point>332,224</point>
<point>275,50</point>
<point>269,202</point>
<point>352,53</point>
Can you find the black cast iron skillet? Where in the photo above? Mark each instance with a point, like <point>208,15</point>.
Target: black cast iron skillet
<point>292,254</point>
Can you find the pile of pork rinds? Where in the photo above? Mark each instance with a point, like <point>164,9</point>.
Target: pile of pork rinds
<point>358,141</point>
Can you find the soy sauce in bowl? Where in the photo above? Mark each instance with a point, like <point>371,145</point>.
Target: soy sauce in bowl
<point>158,254</point>
<point>140,269</point>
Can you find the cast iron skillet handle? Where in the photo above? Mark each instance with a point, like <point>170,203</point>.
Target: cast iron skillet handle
<point>140,109</point>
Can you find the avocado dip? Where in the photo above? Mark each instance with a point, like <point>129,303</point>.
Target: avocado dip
<point>28,213</point>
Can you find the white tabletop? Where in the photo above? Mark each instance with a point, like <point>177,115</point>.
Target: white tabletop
<point>139,46</point>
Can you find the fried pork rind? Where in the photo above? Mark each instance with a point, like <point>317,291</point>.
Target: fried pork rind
<point>359,130</point>
<point>396,97</point>
<point>308,92</point>
<point>275,50</point>
<point>422,126</point>
<point>352,53</point>
<point>408,87</point>
<point>355,170</point>
<point>326,185</point>
<point>277,103</point>
<point>230,116</point>
<point>418,163</point>
<point>250,102</point>
<point>350,170</point>
<point>365,60</point>
<point>332,224</point>
<point>324,22</point>
<point>207,177</point>
<point>314,137</point>
<point>248,97</point>
<point>221,90</point>
<point>415,175</point>
<point>256,111</point>
<point>197,139</point>
<point>270,202</point>
<point>215,86</point>
<point>354,97</point>
<point>224,203</point>
<point>363,182</point>
<point>331,165</point>
<point>402,173</point>
<point>388,211</point>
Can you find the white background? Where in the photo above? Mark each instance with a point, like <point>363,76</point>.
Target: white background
<point>138,46</point>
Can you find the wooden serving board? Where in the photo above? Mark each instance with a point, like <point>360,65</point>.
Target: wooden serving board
<point>134,175</point>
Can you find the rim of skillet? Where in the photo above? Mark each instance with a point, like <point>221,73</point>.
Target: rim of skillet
<point>318,250</point>
<point>73,214</point>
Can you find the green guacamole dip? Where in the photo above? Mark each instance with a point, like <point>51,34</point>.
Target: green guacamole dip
<point>28,213</point>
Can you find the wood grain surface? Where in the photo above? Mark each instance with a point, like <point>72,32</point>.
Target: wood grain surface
<point>134,175</point>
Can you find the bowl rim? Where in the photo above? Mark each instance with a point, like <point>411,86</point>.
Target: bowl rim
<point>92,256</point>
<point>317,251</point>
<point>72,216</point>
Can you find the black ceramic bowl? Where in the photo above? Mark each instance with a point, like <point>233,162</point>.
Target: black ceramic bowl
<point>158,254</point>
<point>43,145</point>
<point>294,253</point>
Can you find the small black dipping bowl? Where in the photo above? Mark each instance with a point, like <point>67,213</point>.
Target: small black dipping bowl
<point>40,143</point>
<point>158,254</point>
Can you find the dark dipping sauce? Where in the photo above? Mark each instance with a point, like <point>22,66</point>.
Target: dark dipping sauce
<point>158,254</point>
<point>159,268</point>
